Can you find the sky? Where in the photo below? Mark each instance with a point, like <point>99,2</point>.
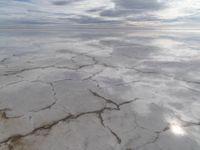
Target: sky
<point>140,13</point>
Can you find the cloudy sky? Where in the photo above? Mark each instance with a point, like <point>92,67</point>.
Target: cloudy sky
<point>83,12</point>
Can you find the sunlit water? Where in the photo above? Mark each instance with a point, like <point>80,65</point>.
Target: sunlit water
<point>159,67</point>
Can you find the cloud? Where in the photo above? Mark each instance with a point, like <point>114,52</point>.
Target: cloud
<point>60,3</point>
<point>93,20</point>
<point>134,7</point>
<point>100,11</point>
<point>28,1</point>
<point>140,4</point>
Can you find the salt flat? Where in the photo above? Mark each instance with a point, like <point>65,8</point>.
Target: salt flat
<point>96,89</point>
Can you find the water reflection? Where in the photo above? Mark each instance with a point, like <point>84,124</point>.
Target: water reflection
<point>125,63</point>
<point>176,128</point>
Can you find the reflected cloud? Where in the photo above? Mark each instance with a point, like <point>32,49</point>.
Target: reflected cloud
<point>119,63</point>
<point>174,50</point>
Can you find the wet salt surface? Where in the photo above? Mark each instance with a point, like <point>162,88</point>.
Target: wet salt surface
<point>99,89</point>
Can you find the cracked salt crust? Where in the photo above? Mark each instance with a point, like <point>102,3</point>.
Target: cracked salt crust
<point>88,91</point>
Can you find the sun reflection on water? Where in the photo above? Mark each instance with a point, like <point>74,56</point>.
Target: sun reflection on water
<point>178,130</point>
<point>176,127</point>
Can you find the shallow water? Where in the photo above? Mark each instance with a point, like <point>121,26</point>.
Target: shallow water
<point>99,89</point>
